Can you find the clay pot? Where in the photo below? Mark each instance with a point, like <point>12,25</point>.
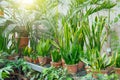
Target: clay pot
<point>36,61</point>
<point>80,65</point>
<point>72,69</point>
<point>23,41</point>
<point>63,63</point>
<point>56,64</point>
<point>117,71</point>
<point>44,60</point>
<point>27,58</point>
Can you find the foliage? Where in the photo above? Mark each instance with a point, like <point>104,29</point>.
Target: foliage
<point>98,61</point>
<point>117,62</point>
<point>27,51</point>
<point>55,74</point>
<point>33,75</point>
<point>100,77</point>
<point>17,19</point>
<point>114,42</point>
<point>96,34</point>
<point>20,65</point>
<point>56,56</point>
<point>7,44</point>
<point>5,71</point>
<point>71,55</point>
<point>43,47</point>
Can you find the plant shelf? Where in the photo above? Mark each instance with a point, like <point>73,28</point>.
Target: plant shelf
<point>36,67</point>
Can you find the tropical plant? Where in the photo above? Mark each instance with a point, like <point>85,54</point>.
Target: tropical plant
<point>98,61</point>
<point>33,75</point>
<point>27,51</point>
<point>55,74</point>
<point>117,62</point>
<point>71,55</point>
<point>43,47</point>
<point>56,56</point>
<point>100,77</point>
<point>7,44</point>
<point>21,22</point>
<point>20,65</point>
<point>96,34</point>
<point>5,71</point>
<point>17,19</point>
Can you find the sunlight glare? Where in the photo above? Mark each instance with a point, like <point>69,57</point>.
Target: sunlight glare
<point>27,2</point>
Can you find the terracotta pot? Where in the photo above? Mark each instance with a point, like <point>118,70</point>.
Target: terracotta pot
<point>72,69</point>
<point>36,61</point>
<point>27,58</point>
<point>56,64</point>
<point>117,71</point>
<point>23,41</point>
<point>63,63</point>
<point>49,60</point>
<point>44,60</point>
<point>80,65</point>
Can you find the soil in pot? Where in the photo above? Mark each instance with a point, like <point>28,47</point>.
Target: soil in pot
<point>72,69</point>
<point>56,64</point>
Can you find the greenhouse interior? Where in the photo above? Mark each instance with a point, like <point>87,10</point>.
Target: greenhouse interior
<point>59,39</point>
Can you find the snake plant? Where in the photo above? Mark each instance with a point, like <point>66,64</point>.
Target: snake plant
<point>43,47</point>
<point>56,56</point>
<point>98,61</point>
<point>71,55</point>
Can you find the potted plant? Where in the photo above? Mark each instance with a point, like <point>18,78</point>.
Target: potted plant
<point>35,58</point>
<point>117,64</point>
<point>27,53</point>
<point>71,58</point>
<point>98,63</point>
<point>56,58</point>
<point>43,49</point>
<point>20,24</point>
